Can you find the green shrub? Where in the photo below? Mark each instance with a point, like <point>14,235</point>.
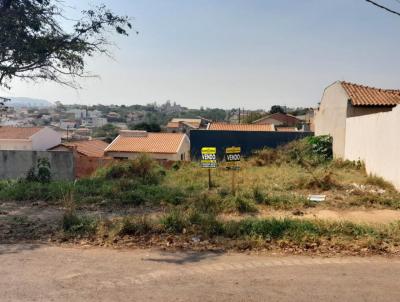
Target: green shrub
<point>143,168</point>
<point>245,205</point>
<point>271,228</point>
<point>207,203</point>
<point>75,224</point>
<point>321,146</point>
<point>135,226</point>
<point>207,224</point>
<point>33,191</point>
<point>174,222</point>
<point>40,172</point>
<point>258,195</point>
<point>285,201</point>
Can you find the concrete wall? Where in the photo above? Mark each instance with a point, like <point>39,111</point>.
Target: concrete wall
<point>15,163</point>
<point>330,119</point>
<point>15,144</point>
<point>373,139</point>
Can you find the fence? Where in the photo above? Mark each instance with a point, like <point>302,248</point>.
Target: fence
<point>15,164</point>
<point>249,141</point>
<point>373,139</point>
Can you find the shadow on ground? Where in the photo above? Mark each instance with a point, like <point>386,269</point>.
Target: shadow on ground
<point>17,248</point>
<point>185,258</point>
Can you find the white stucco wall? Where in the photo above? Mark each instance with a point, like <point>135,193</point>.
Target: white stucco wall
<point>373,139</point>
<point>330,119</point>
<point>45,139</point>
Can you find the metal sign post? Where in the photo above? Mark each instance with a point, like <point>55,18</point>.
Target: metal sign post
<point>232,158</point>
<point>209,161</point>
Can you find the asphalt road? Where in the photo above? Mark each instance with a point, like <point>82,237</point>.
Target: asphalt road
<point>48,273</point>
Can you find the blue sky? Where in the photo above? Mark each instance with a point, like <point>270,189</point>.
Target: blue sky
<point>231,53</point>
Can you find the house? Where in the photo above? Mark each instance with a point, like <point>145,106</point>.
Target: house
<point>88,155</point>
<point>67,124</point>
<point>241,127</point>
<point>98,122</point>
<point>183,125</point>
<point>279,119</point>
<point>28,138</point>
<point>342,100</point>
<point>87,148</point>
<point>161,146</point>
<point>78,114</point>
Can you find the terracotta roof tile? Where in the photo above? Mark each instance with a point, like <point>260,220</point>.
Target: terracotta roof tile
<point>18,132</point>
<point>147,143</point>
<point>282,117</point>
<point>369,96</point>
<point>241,127</point>
<point>286,129</point>
<point>194,123</point>
<point>92,148</point>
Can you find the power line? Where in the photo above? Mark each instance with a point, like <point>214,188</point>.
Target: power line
<point>384,7</point>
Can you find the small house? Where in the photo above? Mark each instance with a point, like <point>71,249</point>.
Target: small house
<point>28,138</point>
<point>160,146</point>
<point>342,100</point>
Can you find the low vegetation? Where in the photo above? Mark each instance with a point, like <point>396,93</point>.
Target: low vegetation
<point>194,228</point>
<point>178,203</point>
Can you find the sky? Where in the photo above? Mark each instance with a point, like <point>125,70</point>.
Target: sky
<point>236,53</point>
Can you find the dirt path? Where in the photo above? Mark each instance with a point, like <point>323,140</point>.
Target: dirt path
<point>368,216</point>
<point>49,273</point>
<point>52,214</point>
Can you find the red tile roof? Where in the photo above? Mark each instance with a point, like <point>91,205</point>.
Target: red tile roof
<point>146,142</point>
<point>369,96</point>
<point>286,129</point>
<point>175,122</point>
<point>18,132</point>
<point>287,119</point>
<point>241,127</point>
<point>91,148</point>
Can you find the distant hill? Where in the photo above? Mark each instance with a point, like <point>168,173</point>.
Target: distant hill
<point>29,102</point>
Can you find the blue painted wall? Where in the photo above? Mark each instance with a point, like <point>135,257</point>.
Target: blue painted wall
<point>248,141</point>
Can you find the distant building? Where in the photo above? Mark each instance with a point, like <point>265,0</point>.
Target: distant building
<point>28,138</point>
<point>279,119</point>
<point>160,146</point>
<point>241,127</point>
<point>67,124</point>
<point>183,125</point>
<point>94,113</point>
<point>113,117</point>
<point>88,148</point>
<point>98,122</point>
<point>79,114</point>
<point>342,100</point>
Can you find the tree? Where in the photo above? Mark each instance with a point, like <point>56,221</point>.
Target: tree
<point>35,46</point>
<point>277,109</point>
<point>3,106</point>
<point>109,132</point>
<point>149,127</point>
